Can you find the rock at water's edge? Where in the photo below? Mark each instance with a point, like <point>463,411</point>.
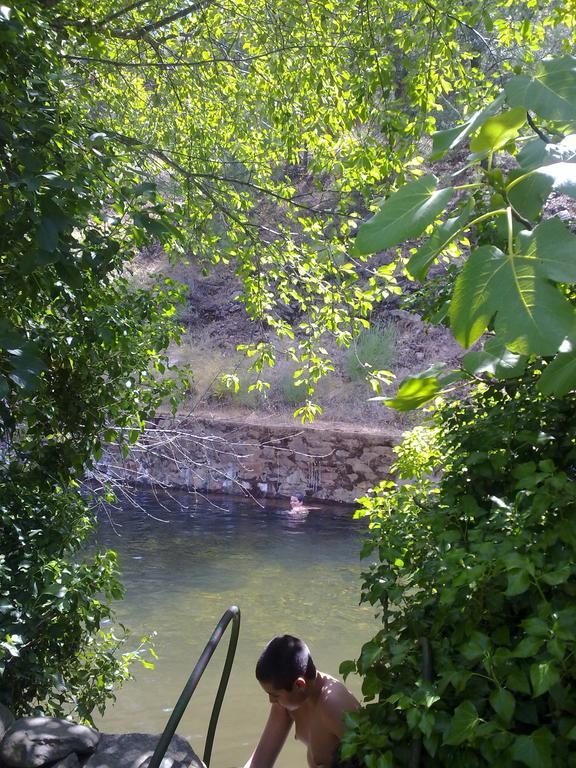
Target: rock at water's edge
<point>34,741</point>
<point>6,720</point>
<point>134,750</point>
<point>71,761</point>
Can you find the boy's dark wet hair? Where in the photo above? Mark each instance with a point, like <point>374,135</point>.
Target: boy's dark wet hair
<point>283,661</point>
<point>298,495</point>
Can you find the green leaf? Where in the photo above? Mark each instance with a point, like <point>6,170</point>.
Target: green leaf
<point>557,575</point>
<point>496,360</point>
<point>414,392</point>
<point>534,750</point>
<point>476,647</point>
<point>517,680</point>
<point>499,130</point>
<point>531,315</point>
<point>403,216</point>
<point>347,668</point>
<point>550,93</point>
<point>543,677</point>
<point>561,176</point>
<point>530,194</point>
<point>9,338</point>
<point>26,364</point>
<point>503,703</point>
<point>528,646</point>
<point>371,652</point>
<point>518,583</point>
<point>443,141</point>
<point>47,234</point>
<point>462,725</point>
<point>552,248</point>
<point>559,376</point>
<point>420,262</point>
<point>538,152</point>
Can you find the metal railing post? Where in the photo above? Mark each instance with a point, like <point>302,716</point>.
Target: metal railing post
<point>231,615</point>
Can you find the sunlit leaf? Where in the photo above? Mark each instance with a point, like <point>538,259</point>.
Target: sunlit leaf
<point>443,141</point>
<point>404,215</point>
<point>421,261</point>
<point>550,93</point>
<point>559,376</point>
<point>499,130</point>
<point>530,314</point>
<point>496,360</point>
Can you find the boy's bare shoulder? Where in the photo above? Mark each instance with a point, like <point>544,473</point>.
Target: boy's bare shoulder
<point>335,698</point>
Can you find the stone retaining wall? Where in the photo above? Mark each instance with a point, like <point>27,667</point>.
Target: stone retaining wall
<point>211,454</point>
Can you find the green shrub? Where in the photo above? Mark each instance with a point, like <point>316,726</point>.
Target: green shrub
<point>475,583</point>
<point>292,394</point>
<point>373,350</point>
<point>225,392</point>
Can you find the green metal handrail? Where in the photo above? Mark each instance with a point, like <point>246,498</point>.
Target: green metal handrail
<point>231,615</point>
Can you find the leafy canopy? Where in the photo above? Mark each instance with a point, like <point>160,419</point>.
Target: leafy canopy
<point>81,358</point>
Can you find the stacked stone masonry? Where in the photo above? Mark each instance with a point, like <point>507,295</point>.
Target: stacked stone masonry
<point>216,455</point>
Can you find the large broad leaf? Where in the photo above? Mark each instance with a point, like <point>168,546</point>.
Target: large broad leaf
<point>499,130</point>
<point>550,93</point>
<point>537,152</point>
<point>419,264</point>
<point>530,314</point>
<point>562,177</point>
<point>559,376</point>
<point>403,216</point>
<point>529,195</point>
<point>443,141</point>
<point>529,191</point>
<point>496,360</point>
<point>552,247</point>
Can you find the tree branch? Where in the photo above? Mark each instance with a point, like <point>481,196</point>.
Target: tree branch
<point>538,131</point>
<point>121,12</point>
<point>170,65</point>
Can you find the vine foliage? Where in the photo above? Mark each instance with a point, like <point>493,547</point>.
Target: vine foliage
<point>474,580</point>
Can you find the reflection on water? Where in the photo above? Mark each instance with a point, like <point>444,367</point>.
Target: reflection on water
<point>288,573</point>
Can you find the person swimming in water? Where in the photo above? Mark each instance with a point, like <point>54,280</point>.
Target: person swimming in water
<point>300,694</point>
<point>297,502</point>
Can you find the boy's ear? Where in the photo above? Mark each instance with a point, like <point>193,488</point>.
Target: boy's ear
<point>299,683</point>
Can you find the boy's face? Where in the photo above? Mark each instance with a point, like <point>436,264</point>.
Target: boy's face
<point>290,700</point>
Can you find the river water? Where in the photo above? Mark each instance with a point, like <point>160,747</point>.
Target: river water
<point>184,560</point>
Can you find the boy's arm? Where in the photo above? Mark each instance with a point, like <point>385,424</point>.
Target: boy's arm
<point>272,740</point>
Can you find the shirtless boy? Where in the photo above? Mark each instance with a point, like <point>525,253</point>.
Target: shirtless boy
<point>299,694</point>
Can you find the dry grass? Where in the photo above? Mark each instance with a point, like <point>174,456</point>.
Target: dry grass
<point>215,323</point>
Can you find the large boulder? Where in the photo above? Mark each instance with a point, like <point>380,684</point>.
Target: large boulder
<point>6,719</point>
<point>71,761</point>
<point>32,742</point>
<point>134,750</point>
